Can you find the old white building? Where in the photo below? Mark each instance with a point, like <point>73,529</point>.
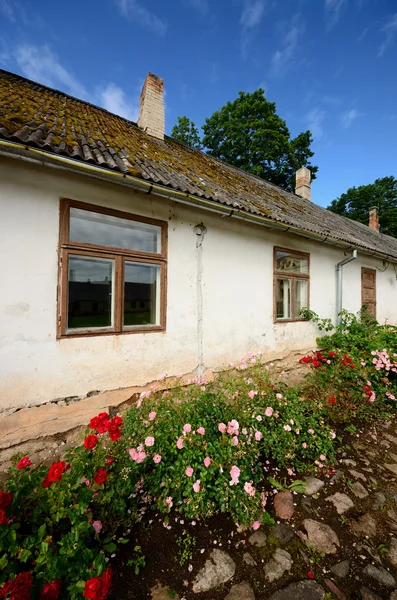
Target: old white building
<point>125,255</point>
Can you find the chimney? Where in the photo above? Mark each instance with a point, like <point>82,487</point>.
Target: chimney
<point>151,109</point>
<point>302,186</point>
<point>374,218</point>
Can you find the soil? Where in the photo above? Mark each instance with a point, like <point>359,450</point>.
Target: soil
<point>168,574</point>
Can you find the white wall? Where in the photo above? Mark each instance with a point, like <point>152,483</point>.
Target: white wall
<point>237,286</point>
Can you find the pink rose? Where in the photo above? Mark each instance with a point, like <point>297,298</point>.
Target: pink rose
<point>269,411</point>
<point>249,488</point>
<point>244,431</point>
<point>157,458</point>
<point>169,501</point>
<point>279,396</point>
<point>139,404</point>
<point>179,443</point>
<point>259,418</point>
<point>152,415</point>
<point>187,428</point>
<point>189,471</point>
<point>304,445</point>
<point>97,525</point>
<point>196,486</point>
<point>252,394</point>
<point>149,441</point>
<point>258,436</point>
<point>323,457</point>
<point>256,525</point>
<point>207,461</point>
<point>201,430</point>
<point>222,427</point>
<point>287,428</point>
<point>311,431</point>
<point>235,440</point>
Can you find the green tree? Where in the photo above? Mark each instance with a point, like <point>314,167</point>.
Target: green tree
<point>186,132</point>
<point>248,133</point>
<point>356,202</point>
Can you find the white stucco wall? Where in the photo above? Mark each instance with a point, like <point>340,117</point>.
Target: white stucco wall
<point>237,287</point>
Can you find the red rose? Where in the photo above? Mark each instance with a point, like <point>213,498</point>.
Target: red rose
<point>23,463</point>
<point>100,476</point>
<point>5,500</point>
<point>46,483</point>
<point>106,583</point>
<point>109,460</point>
<point>332,399</point>
<point>114,432</point>
<point>6,589</point>
<point>90,441</point>
<point>56,471</point>
<point>310,575</point>
<point>51,590</point>
<point>331,354</point>
<point>316,363</point>
<point>3,518</point>
<point>100,422</point>
<point>92,588</point>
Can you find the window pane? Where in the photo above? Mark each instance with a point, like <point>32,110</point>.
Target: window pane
<point>291,264</point>
<point>283,298</point>
<point>90,293</point>
<point>106,230</point>
<point>141,294</point>
<point>300,296</point>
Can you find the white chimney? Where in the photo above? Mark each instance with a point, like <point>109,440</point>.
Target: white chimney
<point>151,109</point>
<point>302,186</point>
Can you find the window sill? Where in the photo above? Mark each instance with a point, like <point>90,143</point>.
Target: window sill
<point>91,333</point>
<point>291,321</point>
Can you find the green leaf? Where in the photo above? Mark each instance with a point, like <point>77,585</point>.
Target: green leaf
<point>110,547</point>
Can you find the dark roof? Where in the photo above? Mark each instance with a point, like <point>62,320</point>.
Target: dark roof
<point>41,117</point>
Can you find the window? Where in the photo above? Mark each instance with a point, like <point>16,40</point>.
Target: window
<point>291,284</point>
<point>112,273</point>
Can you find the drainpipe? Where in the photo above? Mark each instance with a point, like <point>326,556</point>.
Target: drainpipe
<point>339,283</point>
<point>200,231</point>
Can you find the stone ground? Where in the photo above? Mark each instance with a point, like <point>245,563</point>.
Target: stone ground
<point>337,540</point>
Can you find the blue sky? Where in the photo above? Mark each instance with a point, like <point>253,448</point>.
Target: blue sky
<point>330,66</point>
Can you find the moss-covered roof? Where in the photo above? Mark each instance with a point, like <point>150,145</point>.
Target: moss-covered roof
<point>41,117</point>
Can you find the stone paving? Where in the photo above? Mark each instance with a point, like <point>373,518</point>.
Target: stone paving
<point>337,540</point>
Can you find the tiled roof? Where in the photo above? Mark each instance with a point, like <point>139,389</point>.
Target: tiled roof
<point>40,117</point>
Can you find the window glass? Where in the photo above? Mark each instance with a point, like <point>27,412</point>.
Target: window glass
<point>90,286</point>
<point>301,299</point>
<point>106,230</point>
<point>291,264</point>
<point>141,294</point>
<point>283,298</point>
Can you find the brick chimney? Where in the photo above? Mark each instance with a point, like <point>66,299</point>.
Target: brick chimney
<point>374,218</point>
<point>302,186</point>
<point>151,109</point>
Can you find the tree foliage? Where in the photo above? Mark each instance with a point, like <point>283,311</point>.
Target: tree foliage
<point>249,134</point>
<point>356,202</point>
<point>186,132</point>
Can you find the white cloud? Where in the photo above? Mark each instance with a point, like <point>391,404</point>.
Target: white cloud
<point>333,10</point>
<point>390,31</point>
<point>41,64</point>
<point>348,118</point>
<point>315,118</point>
<point>134,12</point>
<point>283,59</point>
<point>251,17</point>
<point>201,5</point>
<point>113,98</point>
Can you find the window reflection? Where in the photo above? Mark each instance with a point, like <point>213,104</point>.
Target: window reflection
<point>141,291</point>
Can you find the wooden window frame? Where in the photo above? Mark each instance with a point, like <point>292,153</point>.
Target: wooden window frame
<point>68,248</point>
<point>292,277</point>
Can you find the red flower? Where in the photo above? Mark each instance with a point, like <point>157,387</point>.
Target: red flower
<point>92,588</point>
<point>56,471</point>
<point>316,363</point>
<point>90,442</point>
<point>51,590</point>
<point>3,518</point>
<point>46,483</point>
<point>109,460</point>
<point>5,500</point>
<point>332,399</point>
<point>114,428</point>
<point>23,463</point>
<point>331,354</point>
<point>106,582</point>
<point>310,575</point>
<point>19,588</point>
<point>100,476</point>
<point>100,422</point>
<point>6,589</point>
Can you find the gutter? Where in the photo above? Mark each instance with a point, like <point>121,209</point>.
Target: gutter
<point>339,272</point>
<point>36,156</point>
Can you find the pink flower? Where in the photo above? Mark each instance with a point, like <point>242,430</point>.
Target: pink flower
<point>269,411</point>
<point>287,428</point>
<point>235,440</point>
<point>169,501</point>
<point>304,445</point>
<point>87,482</point>
<point>133,453</point>
<point>235,474</point>
<point>264,499</point>
<point>222,427</point>
<point>258,436</point>
<point>179,443</point>
<point>149,441</point>
<point>259,418</point>
<point>244,431</point>
<point>256,525</point>
<point>323,457</point>
<point>311,431</point>
<point>187,428</point>
<point>279,396</point>
<point>141,457</point>
<point>201,431</point>
<point>152,415</point>
<point>252,394</point>
<point>202,388</point>
<point>189,471</point>
<point>207,461</point>
<point>196,486</point>
<point>97,525</point>
<point>157,458</point>
<point>249,489</point>
<point>139,404</point>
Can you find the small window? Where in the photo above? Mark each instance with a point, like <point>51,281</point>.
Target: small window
<point>291,282</point>
<point>112,272</point>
